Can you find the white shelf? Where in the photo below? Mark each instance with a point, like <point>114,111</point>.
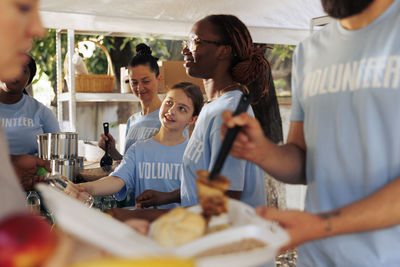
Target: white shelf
<point>99,97</point>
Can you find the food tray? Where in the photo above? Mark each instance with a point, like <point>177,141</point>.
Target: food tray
<point>244,224</point>
<point>252,257</point>
<point>117,238</point>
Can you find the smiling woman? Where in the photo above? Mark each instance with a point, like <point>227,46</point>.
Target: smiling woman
<point>144,76</point>
<point>220,50</point>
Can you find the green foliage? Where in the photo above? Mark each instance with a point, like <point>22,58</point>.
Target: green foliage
<point>283,51</point>
<point>281,87</point>
<point>44,52</point>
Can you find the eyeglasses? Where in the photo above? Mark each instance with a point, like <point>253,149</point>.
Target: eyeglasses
<point>192,44</point>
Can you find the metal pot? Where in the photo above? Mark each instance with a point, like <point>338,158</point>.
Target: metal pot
<point>79,163</point>
<point>66,167</point>
<point>63,145</point>
<point>45,146</point>
<point>66,145</point>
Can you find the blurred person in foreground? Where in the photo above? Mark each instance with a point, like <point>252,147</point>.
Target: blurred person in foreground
<point>19,25</point>
<point>344,139</point>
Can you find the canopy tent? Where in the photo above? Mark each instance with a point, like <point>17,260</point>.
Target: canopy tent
<point>270,21</point>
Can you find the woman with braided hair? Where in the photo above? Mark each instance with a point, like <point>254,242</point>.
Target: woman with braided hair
<point>251,68</point>
<point>220,50</point>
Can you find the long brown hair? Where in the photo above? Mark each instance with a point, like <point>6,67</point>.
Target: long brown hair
<point>192,91</point>
<point>250,67</point>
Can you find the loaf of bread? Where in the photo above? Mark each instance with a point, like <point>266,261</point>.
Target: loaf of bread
<point>177,227</point>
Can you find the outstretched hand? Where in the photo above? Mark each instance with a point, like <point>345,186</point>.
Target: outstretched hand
<point>75,190</point>
<point>26,166</point>
<point>301,226</point>
<point>151,198</point>
<point>249,142</point>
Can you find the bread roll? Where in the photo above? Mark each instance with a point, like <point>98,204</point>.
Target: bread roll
<point>177,227</point>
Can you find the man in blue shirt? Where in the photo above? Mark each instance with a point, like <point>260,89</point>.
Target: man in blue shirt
<point>343,141</point>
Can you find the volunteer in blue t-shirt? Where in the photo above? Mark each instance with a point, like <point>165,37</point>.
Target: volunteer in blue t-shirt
<point>220,51</point>
<point>155,163</point>
<point>344,139</point>
<point>144,77</point>
<point>22,116</point>
<point>225,61</point>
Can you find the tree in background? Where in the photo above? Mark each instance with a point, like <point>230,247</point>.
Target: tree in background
<point>281,60</point>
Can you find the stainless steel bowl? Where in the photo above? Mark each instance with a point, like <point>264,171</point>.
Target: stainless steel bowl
<point>66,167</point>
<point>63,145</point>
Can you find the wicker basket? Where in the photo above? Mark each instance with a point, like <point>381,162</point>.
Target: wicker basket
<point>96,83</point>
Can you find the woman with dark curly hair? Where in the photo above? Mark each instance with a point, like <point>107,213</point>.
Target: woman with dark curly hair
<point>220,50</point>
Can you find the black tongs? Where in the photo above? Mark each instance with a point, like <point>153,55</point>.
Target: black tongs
<point>230,136</point>
<point>106,161</point>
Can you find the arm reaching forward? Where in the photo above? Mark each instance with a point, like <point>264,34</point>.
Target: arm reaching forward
<point>284,162</point>
<point>379,210</point>
<point>108,185</point>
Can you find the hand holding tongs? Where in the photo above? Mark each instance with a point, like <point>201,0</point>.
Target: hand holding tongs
<point>230,136</point>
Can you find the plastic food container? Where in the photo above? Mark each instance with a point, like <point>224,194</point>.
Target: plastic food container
<point>122,241</point>
<point>245,224</point>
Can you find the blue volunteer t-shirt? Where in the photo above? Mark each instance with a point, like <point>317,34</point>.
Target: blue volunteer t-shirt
<point>202,151</point>
<point>150,165</point>
<point>349,101</point>
<point>141,127</point>
<point>23,120</point>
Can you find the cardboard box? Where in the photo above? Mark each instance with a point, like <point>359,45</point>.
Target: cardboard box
<point>173,72</point>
